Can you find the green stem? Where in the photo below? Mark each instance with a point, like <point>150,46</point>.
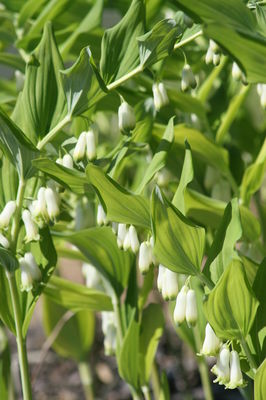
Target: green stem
<point>203,368</point>
<point>207,86</point>
<point>231,113</point>
<point>249,356</point>
<point>205,280</point>
<point>146,392</point>
<point>189,39</point>
<point>155,380</point>
<point>16,221</point>
<point>52,134</point>
<point>117,311</point>
<point>86,380</point>
<point>125,78</point>
<point>21,345</point>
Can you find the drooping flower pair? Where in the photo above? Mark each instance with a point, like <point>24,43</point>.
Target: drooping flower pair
<point>167,283</point>
<point>127,238</point>
<point>47,205</point>
<point>30,272</point>
<point>213,54</point>
<point>86,145</point>
<point>186,307</point>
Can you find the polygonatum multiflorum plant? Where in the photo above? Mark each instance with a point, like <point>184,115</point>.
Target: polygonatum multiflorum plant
<point>139,150</point>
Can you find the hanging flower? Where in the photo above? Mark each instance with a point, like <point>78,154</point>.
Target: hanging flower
<point>236,378</point>
<point>31,228</point>
<point>222,368</point>
<point>211,343</point>
<point>126,117</point>
<point>52,203</point>
<point>7,214</point>
<point>126,243</point>
<point>4,241</point>
<point>169,285</point>
<point>145,257</point>
<point>160,277</point>
<point>191,308</point>
<point>33,266</point>
<point>101,216</point>
<point>80,148</point>
<point>92,276</point>
<point>180,307</point>
<point>90,145</point>
<point>25,276</point>
<point>134,241</point>
<point>121,234</point>
<point>160,97</point>
<point>109,331</point>
<point>188,79</point>
<point>67,161</point>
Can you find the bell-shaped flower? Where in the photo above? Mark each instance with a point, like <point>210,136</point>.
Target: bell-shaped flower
<point>180,306</point>
<point>7,214</point>
<point>191,308</point>
<point>261,89</point>
<point>160,96</point>
<point>211,344</point>
<point>209,56</point>
<point>67,161</point>
<point>52,203</point>
<point>33,266</point>
<point>25,276</point>
<point>145,257</point>
<point>4,241</point>
<point>91,152</point>
<point>126,243</point>
<point>236,72</point>
<point>109,331</point>
<point>101,216</point>
<point>188,79</point>
<point>80,148</point>
<point>126,117</point>
<point>121,234</point>
<point>31,228</point>
<point>236,378</point>
<point>160,277</point>
<point>134,241</point>
<point>216,59</point>
<point>222,367</point>
<point>38,207</point>
<point>169,285</point>
<point>92,276</point>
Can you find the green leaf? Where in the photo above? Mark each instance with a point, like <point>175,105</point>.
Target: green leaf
<point>16,146</point>
<point>91,21</point>
<point>29,8</point>
<point>184,101</point>
<point>75,338</point>
<point>151,330</point>
<point>76,297</point>
<point>222,250</point>
<point>5,365</point>
<point>119,50</point>
<point>120,204</point>
<point>160,156</point>
<point>186,177</point>
<point>128,359</point>
<point>82,84</point>
<point>8,260</point>
<point>12,60</point>
<point>164,387</point>
<point>6,309</point>
<point>231,306</point>
<point>179,244</point>
<point>158,43</point>
<point>70,178</point>
<point>260,382</point>
<point>99,246</point>
<point>41,104</point>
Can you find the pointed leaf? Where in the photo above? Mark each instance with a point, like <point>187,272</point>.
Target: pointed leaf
<point>260,382</point>
<point>179,244</point>
<point>231,306</point>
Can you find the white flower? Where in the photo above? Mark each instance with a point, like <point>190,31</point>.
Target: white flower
<point>33,267</point>
<point>145,257</point>
<point>59,161</point>
<point>92,276</point>
<point>52,203</point>
<point>180,307</point>
<point>26,277</point>
<point>31,228</point>
<point>236,72</point>
<point>7,214</point>
<point>38,207</point>
<point>160,277</point>
<point>191,308</point>
<point>169,285</point>
<point>80,148</point>
<point>126,243</point>
<point>236,378</point>
<point>211,344</point>
<point>209,56</point>
<point>121,234</point>
<point>261,89</point>
<point>134,241</point>
<point>90,145</point>
<point>188,79</point>
<point>221,369</point>
<point>214,46</point>
<point>216,59</point>
<point>67,161</point>
<point>160,97</point>
<point>109,330</point>
<point>101,216</point>
<point>3,241</point>
<point>126,117</point>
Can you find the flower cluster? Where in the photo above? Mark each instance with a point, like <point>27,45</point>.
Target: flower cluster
<point>30,272</point>
<point>186,307</point>
<point>86,145</point>
<point>167,283</point>
<point>213,54</point>
<point>5,219</point>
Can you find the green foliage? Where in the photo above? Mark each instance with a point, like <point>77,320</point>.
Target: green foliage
<point>260,382</point>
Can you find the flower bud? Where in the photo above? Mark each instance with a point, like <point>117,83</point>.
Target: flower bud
<point>191,308</point>
<point>126,117</point>
<point>160,97</point>
<point>4,242</point>
<point>31,228</point>
<point>80,148</point>
<point>101,216</point>
<point>214,46</point>
<point>52,203</point>
<point>67,161</point>
<point>236,72</point>
<point>90,145</point>
<point>34,268</point>
<point>188,79</point>
<point>211,343</point>
<point>134,241</point>
<point>160,277</point>
<point>26,278</point>
<point>209,56</point>
<point>92,276</point>
<point>216,59</point>
<point>180,307</point>
<point>221,368</point>
<point>145,257</point>
<point>236,378</point>
<point>121,234</point>
<point>7,214</point>
<point>169,285</point>
<point>126,243</point>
